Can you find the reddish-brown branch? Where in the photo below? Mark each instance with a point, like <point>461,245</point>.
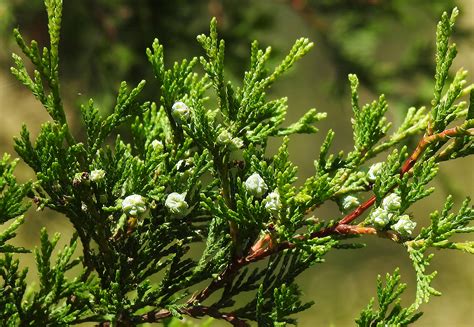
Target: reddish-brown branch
<point>357,212</point>
<point>265,247</point>
<point>200,311</point>
<point>217,282</point>
<point>239,263</point>
<point>195,311</point>
<point>427,140</point>
<point>155,316</point>
<point>407,165</point>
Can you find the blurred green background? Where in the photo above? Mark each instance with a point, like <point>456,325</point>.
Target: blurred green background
<point>389,44</point>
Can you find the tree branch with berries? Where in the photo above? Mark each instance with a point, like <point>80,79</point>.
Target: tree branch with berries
<point>194,176</point>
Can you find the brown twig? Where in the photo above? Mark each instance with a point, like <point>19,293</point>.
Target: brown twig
<point>234,267</point>
<point>407,165</point>
<point>265,246</point>
<point>427,140</point>
<point>195,311</point>
<point>357,212</point>
<point>200,311</point>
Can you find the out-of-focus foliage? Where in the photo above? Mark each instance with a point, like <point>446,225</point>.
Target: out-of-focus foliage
<point>363,37</point>
<point>109,44</point>
<point>356,35</point>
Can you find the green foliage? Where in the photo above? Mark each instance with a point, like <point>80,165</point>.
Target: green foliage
<point>437,235</point>
<point>12,206</point>
<point>390,311</point>
<point>413,191</point>
<point>287,303</point>
<point>194,176</point>
<point>59,300</point>
<point>369,124</point>
<point>388,178</point>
